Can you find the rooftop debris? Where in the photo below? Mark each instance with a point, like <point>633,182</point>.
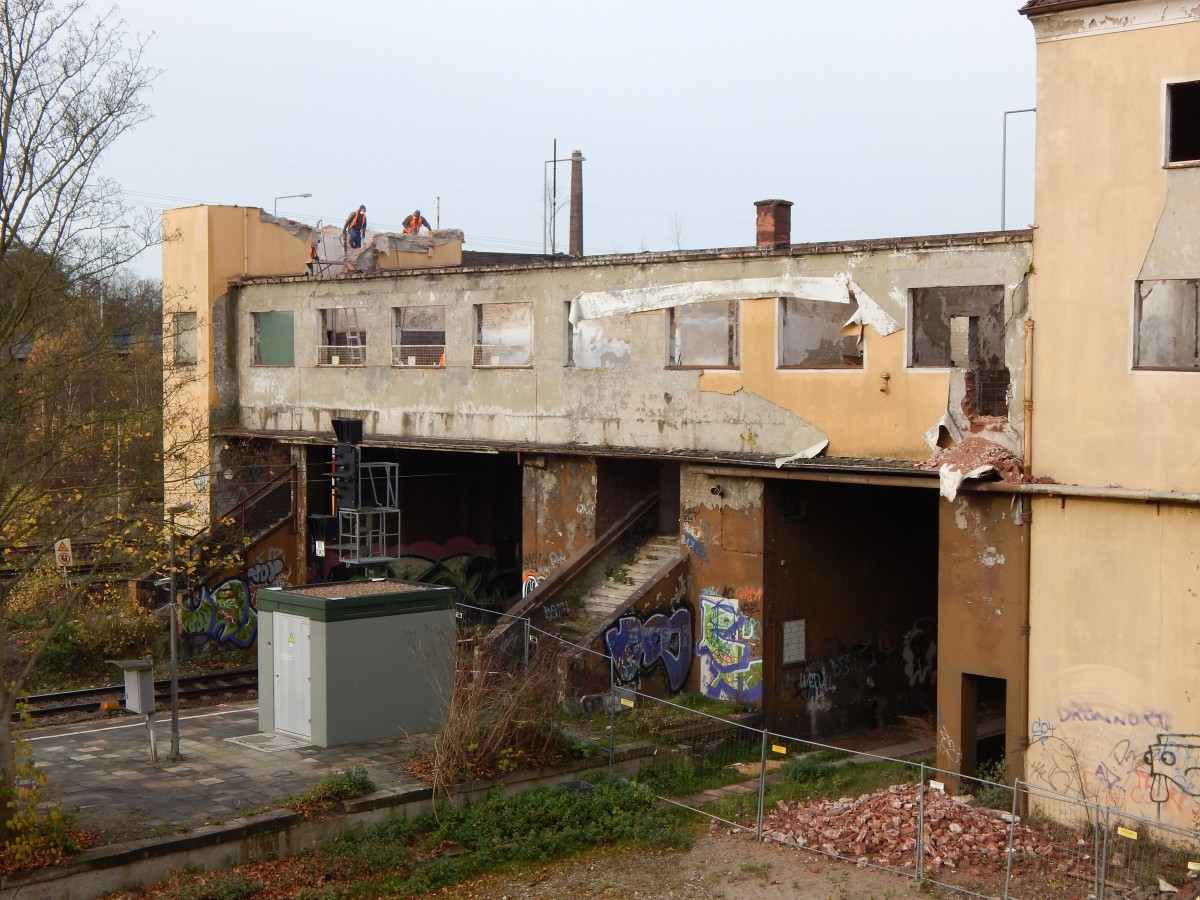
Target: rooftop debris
<point>973,457</point>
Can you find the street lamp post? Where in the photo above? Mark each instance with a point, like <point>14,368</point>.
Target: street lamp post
<point>285,197</point>
<point>173,607</point>
<point>1004,161</point>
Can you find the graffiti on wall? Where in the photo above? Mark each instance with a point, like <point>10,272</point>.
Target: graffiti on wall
<point>227,615</point>
<point>695,539</point>
<point>665,639</point>
<point>920,652</point>
<point>1119,757</point>
<point>472,569</point>
<point>730,649</point>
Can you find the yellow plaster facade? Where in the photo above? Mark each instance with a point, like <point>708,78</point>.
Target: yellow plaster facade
<point>1114,703</point>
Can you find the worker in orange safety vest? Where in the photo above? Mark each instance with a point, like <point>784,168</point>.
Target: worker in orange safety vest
<point>414,223</point>
<point>356,227</point>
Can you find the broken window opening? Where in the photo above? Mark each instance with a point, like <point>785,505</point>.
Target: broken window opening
<point>344,339</point>
<point>1183,122</point>
<point>1167,325</point>
<point>810,335</point>
<point>186,338</point>
<point>704,335</point>
<point>963,328</point>
<point>419,336</point>
<point>503,335</point>
<point>272,338</point>
<point>601,343</point>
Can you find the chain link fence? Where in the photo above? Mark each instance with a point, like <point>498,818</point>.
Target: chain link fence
<point>967,834</point>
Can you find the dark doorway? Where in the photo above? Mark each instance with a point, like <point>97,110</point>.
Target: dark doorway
<point>983,722</point>
<point>850,598</point>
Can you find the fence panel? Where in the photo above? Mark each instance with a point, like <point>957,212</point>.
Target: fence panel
<point>1055,846</point>
<point>969,835</point>
<point>1137,853</point>
<point>705,763</point>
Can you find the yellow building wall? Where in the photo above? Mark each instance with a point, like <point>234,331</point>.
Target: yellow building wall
<point>203,248</point>
<point>1114,704</point>
<point>860,419</point>
<point>1100,190</point>
<point>1112,655</point>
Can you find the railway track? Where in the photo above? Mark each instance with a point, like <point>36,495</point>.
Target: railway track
<point>194,689</point>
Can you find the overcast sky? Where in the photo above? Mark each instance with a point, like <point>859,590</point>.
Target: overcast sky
<point>875,117</point>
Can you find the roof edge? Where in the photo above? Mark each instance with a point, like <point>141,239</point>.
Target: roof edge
<point>1046,7</point>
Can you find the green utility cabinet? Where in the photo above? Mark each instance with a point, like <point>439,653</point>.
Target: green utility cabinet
<point>353,661</point>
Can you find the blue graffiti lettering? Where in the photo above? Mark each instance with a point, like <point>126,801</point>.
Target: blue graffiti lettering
<point>636,646</point>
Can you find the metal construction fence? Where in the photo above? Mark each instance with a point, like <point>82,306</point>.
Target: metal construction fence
<point>970,835</point>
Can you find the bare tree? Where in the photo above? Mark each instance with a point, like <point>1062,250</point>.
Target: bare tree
<point>70,86</point>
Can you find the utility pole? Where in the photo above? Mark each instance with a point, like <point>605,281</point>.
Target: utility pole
<point>173,607</point>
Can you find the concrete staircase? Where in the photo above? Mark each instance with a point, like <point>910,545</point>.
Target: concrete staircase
<point>624,578</point>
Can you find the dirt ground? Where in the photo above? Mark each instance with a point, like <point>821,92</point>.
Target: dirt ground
<point>719,866</point>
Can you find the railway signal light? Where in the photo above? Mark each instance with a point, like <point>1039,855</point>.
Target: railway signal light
<point>346,476</point>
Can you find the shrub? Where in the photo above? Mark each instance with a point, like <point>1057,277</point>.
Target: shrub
<point>806,769</point>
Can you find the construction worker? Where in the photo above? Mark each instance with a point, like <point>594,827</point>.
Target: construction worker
<point>414,223</point>
<point>356,227</point>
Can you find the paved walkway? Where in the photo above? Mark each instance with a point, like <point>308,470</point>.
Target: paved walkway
<point>103,770</point>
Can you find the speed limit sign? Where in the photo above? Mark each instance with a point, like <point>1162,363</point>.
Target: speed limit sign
<point>62,553</point>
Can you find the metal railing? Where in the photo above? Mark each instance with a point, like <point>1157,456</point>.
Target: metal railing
<point>342,355</point>
<point>970,835</point>
<point>429,355</point>
<point>491,356</point>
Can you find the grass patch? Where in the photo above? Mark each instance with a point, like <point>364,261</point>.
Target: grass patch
<point>417,858</point>
<point>847,780</point>
<point>344,784</point>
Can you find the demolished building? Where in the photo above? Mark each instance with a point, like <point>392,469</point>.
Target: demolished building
<point>749,426</point>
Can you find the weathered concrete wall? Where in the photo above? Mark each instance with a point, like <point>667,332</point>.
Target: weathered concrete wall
<point>983,572</point>
<point>722,529</point>
<point>559,516</point>
<point>649,405</point>
<point>653,644</point>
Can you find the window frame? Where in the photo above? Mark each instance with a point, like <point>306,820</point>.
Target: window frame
<point>1136,364</point>
<point>781,317</point>
<point>346,353</point>
<point>479,351</point>
<point>1169,117</point>
<point>418,355</point>
<point>256,337</point>
<point>733,337</point>
<point>181,353</point>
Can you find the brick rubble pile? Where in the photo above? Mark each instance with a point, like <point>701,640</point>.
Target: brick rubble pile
<point>881,829</point>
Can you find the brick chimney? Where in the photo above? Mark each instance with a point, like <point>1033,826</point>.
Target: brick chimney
<point>576,245</point>
<point>774,226</point>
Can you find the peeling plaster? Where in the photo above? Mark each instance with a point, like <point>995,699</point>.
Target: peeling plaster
<point>807,453</point>
<point>945,423</point>
<point>871,313</point>
<point>1173,252</point>
<point>834,289</point>
<point>991,557</point>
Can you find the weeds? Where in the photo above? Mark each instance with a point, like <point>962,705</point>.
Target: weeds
<point>496,721</point>
<point>343,784</point>
<point>418,858</point>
